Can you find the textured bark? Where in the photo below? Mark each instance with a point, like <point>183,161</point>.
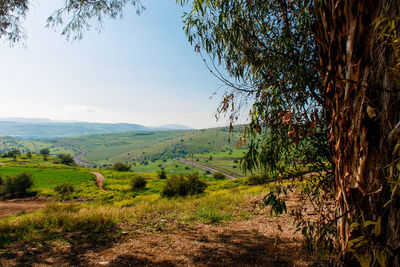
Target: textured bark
<point>361,103</point>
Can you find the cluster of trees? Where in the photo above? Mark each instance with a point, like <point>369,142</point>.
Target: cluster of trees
<point>323,78</point>
<point>12,153</point>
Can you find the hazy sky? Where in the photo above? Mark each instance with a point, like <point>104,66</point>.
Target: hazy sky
<point>140,69</point>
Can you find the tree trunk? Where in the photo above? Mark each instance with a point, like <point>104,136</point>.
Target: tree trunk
<point>360,98</point>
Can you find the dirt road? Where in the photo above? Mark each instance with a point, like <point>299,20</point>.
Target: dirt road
<point>206,168</point>
<point>99,180</point>
<point>78,158</point>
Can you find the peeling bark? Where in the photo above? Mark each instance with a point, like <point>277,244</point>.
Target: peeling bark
<point>361,101</point>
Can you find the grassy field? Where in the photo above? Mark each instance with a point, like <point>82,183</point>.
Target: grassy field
<point>48,174</point>
<point>233,154</point>
<point>147,146</point>
<point>9,143</point>
<point>224,165</point>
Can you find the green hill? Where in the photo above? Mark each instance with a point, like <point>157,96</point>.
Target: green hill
<point>151,146</point>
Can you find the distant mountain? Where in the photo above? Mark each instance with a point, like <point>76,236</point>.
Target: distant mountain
<point>47,129</point>
<point>168,127</point>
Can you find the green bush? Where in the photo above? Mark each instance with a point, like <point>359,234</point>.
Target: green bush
<point>121,167</point>
<point>66,159</point>
<point>219,175</point>
<point>258,179</point>
<point>162,174</point>
<point>44,152</point>
<point>19,184</point>
<point>64,189</point>
<point>138,182</point>
<point>189,184</point>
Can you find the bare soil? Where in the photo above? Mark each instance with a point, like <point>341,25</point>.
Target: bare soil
<point>260,241</point>
<point>99,180</point>
<point>13,207</point>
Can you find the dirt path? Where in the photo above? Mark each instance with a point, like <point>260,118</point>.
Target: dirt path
<point>18,206</point>
<point>100,180</point>
<point>78,158</point>
<point>206,168</point>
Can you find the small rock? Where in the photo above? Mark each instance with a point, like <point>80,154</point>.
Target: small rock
<point>103,262</point>
<point>163,220</point>
<point>124,232</point>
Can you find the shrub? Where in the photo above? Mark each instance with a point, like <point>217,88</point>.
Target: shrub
<point>162,174</point>
<point>195,185</point>
<point>29,154</point>
<point>210,158</point>
<point>64,189</point>
<point>138,182</point>
<point>19,184</point>
<point>66,159</point>
<point>183,185</point>
<point>208,172</point>
<point>235,161</point>
<point>44,151</point>
<point>121,167</point>
<point>219,175</point>
<point>258,179</point>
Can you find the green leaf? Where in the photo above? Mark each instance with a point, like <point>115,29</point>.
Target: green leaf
<point>381,257</point>
<point>378,227</point>
<point>368,223</point>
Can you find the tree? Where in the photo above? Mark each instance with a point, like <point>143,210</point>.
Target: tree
<point>44,152</point>
<point>19,184</point>
<point>73,16</point>
<point>162,174</point>
<point>315,69</point>
<point>66,159</point>
<point>119,166</point>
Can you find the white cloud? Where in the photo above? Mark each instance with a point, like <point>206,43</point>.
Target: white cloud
<point>82,108</point>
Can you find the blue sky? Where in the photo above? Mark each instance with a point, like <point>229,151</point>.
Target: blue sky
<point>140,69</point>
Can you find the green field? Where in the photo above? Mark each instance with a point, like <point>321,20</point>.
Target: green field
<point>224,165</point>
<point>48,174</point>
<point>147,146</point>
<point>10,143</point>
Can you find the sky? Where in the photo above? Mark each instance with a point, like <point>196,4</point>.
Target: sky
<point>140,69</point>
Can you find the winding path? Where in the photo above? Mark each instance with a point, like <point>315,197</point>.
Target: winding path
<point>78,158</point>
<point>203,167</point>
<point>100,180</point>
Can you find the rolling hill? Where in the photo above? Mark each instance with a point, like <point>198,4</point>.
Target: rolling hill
<point>153,145</point>
<point>48,129</point>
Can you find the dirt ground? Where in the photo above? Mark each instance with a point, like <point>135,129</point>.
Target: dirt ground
<point>261,241</point>
<point>15,207</point>
<point>99,180</point>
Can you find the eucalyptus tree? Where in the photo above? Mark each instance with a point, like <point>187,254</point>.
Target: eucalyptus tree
<point>305,63</point>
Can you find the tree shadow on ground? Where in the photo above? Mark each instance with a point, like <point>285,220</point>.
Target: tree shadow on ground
<point>226,248</point>
<point>63,249</point>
